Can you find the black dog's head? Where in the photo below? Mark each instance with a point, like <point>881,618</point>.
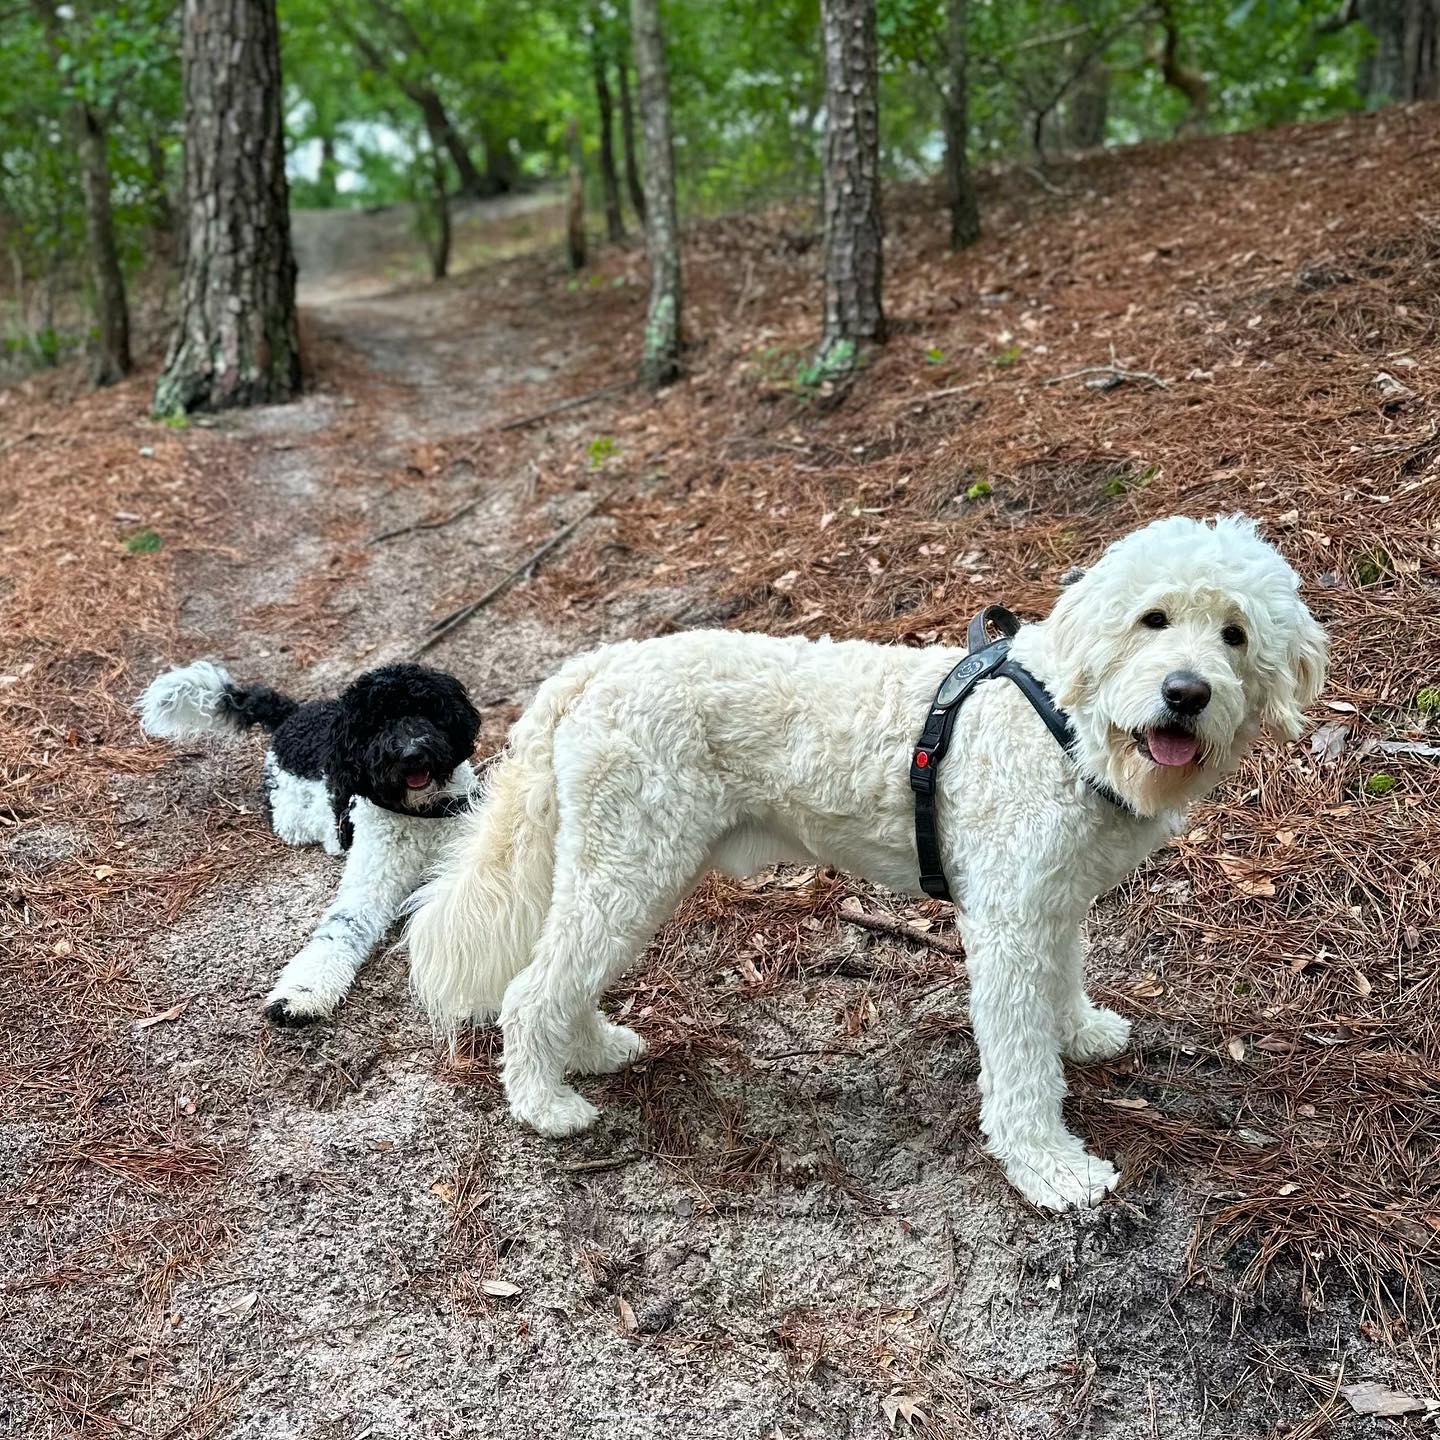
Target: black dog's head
<point>400,733</point>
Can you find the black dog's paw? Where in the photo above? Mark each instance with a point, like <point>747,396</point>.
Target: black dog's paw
<point>287,1014</point>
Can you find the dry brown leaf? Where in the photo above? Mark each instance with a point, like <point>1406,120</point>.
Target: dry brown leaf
<point>902,1407</point>
<point>628,1323</point>
<point>445,1190</point>
<point>173,1013</point>
<point>1236,1048</point>
<point>104,872</point>
<point>1363,987</point>
<point>501,1289</point>
<point>1130,1102</point>
<point>1247,877</point>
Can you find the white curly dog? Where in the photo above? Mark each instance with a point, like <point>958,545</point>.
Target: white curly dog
<point>644,764</point>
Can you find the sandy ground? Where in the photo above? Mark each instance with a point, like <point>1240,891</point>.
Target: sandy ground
<point>866,1271</point>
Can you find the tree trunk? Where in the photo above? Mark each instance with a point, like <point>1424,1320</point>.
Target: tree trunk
<point>1088,108</point>
<point>959,183</point>
<point>237,342</point>
<point>328,174</point>
<point>1405,64</point>
<point>660,362</point>
<point>1190,83</point>
<point>627,140</point>
<point>609,180</point>
<point>111,361</point>
<point>854,317</point>
<point>437,226</point>
<point>575,201</point>
<point>500,172</point>
<point>444,134</point>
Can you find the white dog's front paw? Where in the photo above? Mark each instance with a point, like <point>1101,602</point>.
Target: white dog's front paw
<point>1060,1177</point>
<point>1097,1034</point>
<point>607,1049</point>
<point>557,1113</point>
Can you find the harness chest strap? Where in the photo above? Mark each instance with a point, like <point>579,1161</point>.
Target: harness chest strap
<point>987,658</point>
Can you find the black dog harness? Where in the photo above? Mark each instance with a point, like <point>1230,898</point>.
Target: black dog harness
<point>986,658</point>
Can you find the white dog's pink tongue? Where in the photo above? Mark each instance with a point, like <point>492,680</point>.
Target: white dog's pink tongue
<point>1172,747</point>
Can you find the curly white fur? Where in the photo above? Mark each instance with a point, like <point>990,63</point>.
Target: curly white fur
<point>644,764</point>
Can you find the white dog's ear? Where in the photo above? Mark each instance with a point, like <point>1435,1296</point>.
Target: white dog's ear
<point>1302,675</point>
<point>1067,626</point>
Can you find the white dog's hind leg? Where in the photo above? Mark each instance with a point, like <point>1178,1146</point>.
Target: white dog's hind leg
<point>598,1046</point>
<point>385,864</point>
<point>1021,1082</point>
<point>1087,1031</point>
<point>626,854</point>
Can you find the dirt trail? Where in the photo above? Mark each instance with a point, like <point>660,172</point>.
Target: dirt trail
<point>864,1264</point>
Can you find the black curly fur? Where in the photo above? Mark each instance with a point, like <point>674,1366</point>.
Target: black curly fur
<point>258,705</point>
<point>387,720</point>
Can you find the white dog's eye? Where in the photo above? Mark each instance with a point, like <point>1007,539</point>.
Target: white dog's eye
<point>1233,635</point>
<point>1154,620</point>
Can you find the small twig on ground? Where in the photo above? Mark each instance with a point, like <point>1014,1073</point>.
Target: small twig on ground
<point>1044,181</point>
<point>440,524</point>
<point>888,925</point>
<point>1115,370</point>
<point>608,1162</point>
<point>572,404</point>
<point>442,627</point>
<point>932,395</point>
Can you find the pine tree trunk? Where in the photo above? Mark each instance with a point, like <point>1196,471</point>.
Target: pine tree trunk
<point>609,180</point>
<point>111,361</point>
<point>854,317</point>
<point>444,134</point>
<point>1405,63</point>
<point>627,140</point>
<point>660,362</point>
<point>1088,109</point>
<point>575,201</point>
<point>500,172</point>
<point>237,342</point>
<point>959,183</point>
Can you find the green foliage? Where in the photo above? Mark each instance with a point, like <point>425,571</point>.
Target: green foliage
<point>1380,783</point>
<point>600,449</point>
<point>980,490</point>
<point>1427,701</point>
<point>143,542</point>
<point>934,355</point>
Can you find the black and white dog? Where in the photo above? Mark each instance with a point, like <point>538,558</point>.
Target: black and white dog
<point>372,775</point>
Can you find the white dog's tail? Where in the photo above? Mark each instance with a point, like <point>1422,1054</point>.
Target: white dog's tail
<point>473,926</point>
<point>202,699</point>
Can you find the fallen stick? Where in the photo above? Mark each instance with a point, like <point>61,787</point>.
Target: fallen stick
<point>888,925</point>
<point>573,403</point>
<point>442,627</point>
<point>611,1162</point>
<point>449,519</point>
<point>1114,370</point>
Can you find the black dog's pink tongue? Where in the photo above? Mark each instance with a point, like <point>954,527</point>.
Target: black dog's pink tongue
<point>1172,747</point>
<point>418,779</point>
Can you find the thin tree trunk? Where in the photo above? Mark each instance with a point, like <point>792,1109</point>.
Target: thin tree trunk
<point>1405,63</point>
<point>854,316</point>
<point>660,362</point>
<point>575,203</point>
<point>1179,76</point>
<point>501,175</point>
<point>959,183</point>
<point>627,141</point>
<point>437,237</point>
<point>609,180</point>
<point>237,342</point>
<point>328,175</point>
<point>111,359</point>
<point>437,123</point>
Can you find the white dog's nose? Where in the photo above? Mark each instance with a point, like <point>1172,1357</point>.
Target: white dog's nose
<point>1185,692</point>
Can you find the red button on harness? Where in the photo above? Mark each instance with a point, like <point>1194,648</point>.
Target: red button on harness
<point>922,758</point>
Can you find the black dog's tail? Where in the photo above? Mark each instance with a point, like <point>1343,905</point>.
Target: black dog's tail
<point>202,699</point>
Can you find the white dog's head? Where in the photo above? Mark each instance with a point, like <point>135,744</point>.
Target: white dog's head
<point>1174,650</point>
